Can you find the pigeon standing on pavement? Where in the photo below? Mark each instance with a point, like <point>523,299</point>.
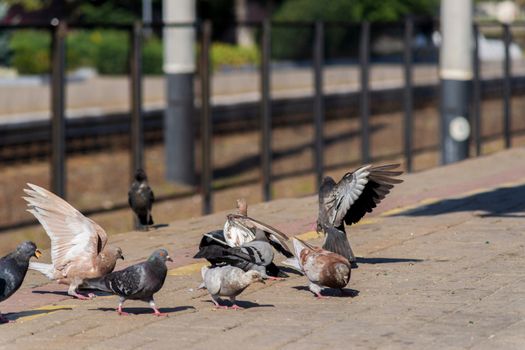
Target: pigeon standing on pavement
<point>253,255</point>
<point>227,281</point>
<point>13,269</point>
<point>78,244</point>
<point>322,268</point>
<point>141,198</point>
<point>137,282</point>
<point>349,200</point>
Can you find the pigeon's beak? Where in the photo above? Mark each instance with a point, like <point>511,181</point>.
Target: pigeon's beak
<point>168,258</point>
<point>38,253</point>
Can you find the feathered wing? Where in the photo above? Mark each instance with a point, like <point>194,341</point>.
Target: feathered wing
<point>235,234</point>
<point>277,238</point>
<point>72,235</point>
<point>359,192</point>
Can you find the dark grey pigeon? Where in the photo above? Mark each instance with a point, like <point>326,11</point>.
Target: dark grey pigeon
<point>141,198</point>
<point>254,255</point>
<point>13,269</point>
<point>137,282</point>
<point>347,201</point>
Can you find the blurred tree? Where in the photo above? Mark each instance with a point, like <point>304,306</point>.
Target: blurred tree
<point>289,43</point>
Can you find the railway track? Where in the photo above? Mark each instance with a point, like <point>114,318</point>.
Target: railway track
<point>24,141</point>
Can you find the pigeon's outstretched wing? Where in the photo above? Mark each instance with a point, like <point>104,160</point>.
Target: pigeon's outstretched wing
<point>275,237</point>
<point>73,236</point>
<point>359,192</point>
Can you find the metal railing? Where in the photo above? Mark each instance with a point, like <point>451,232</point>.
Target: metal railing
<point>58,126</point>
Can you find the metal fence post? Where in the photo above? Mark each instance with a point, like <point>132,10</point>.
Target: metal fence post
<point>318,100</point>
<point>408,104</point>
<point>137,129</point>
<point>507,88</point>
<point>266,112</point>
<point>206,119</point>
<point>364,60</point>
<point>476,93</point>
<point>58,122</point>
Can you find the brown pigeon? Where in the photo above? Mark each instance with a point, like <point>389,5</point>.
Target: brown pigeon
<point>347,201</point>
<point>78,244</point>
<point>323,268</point>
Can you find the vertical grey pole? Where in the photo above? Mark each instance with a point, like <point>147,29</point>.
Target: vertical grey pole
<point>58,122</point>
<point>147,17</point>
<point>266,112</point>
<point>137,130</point>
<point>206,120</point>
<point>476,91</point>
<point>318,100</point>
<point>456,78</point>
<point>179,68</point>
<point>507,92</point>
<point>409,124</point>
<point>364,60</point>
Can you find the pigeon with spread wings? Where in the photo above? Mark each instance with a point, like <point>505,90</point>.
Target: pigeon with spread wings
<point>78,244</point>
<point>347,201</point>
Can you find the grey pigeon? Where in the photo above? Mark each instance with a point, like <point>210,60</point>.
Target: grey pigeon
<point>137,282</point>
<point>254,255</point>
<point>141,198</point>
<point>347,201</point>
<point>322,267</point>
<point>227,281</point>
<point>13,269</point>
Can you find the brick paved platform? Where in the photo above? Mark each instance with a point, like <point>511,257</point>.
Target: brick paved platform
<point>442,266</point>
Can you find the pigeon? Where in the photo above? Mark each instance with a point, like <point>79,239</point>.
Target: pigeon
<point>349,200</point>
<point>137,282</point>
<point>235,235</point>
<point>253,255</point>
<point>13,269</point>
<point>78,244</point>
<point>322,267</point>
<point>227,281</point>
<point>141,198</point>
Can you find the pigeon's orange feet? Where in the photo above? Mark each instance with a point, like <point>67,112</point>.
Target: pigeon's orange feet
<point>83,297</point>
<point>236,307</point>
<point>319,296</point>
<point>122,313</point>
<point>276,278</point>
<point>157,313</point>
<point>224,307</point>
<point>3,319</point>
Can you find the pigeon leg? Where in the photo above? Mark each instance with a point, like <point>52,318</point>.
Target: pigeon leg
<point>216,302</point>
<point>316,289</point>
<point>73,292</point>
<point>275,278</point>
<point>155,310</point>
<point>119,309</point>
<point>235,306</point>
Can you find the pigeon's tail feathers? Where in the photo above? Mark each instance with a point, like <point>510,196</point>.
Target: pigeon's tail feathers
<point>293,263</point>
<point>95,283</point>
<point>46,269</point>
<point>145,219</point>
<point>204,269</point>
<point>337,242</point>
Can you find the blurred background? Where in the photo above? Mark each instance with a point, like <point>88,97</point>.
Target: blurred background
<point>220,99</point>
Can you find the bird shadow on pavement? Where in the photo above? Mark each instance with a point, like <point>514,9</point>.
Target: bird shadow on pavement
<point>157,226</point>
<point>145,310</point>
<point>13,316</point>
<point>331,292</point>
<point>504,202</point>
<point>242,303</point>
<point>385,260</point>
<point>64,293</point>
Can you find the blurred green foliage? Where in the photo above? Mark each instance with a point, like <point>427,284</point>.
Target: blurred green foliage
<point>226,55</point>
<point>105,50</point>
<point>290,43</point>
